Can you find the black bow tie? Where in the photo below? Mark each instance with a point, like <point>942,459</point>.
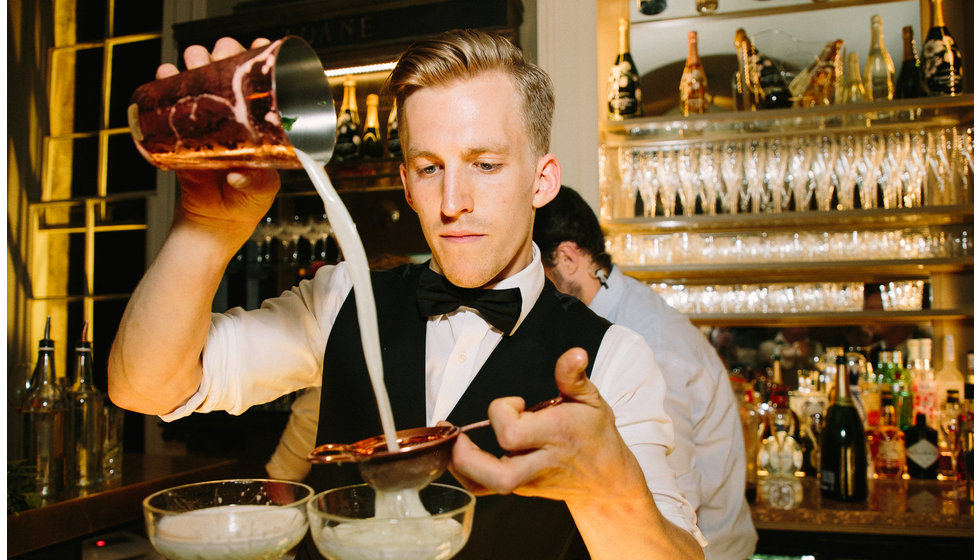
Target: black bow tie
<point>436,295</point>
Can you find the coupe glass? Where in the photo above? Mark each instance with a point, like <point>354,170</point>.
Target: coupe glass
<point>344,526</point>
<point>240,519</point>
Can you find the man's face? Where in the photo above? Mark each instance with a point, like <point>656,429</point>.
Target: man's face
<point>471,177</point>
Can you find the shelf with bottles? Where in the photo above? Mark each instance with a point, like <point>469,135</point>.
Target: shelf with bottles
<point>664,11</point>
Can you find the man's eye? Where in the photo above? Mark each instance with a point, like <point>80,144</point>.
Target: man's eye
<point>428,170</point>
<point>486,166</point>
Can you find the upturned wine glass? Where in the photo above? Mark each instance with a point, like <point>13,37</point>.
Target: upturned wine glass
<point>913,178</point>
<point>732,174</point>
<point>822,170</point>
<point>709,178</point>
<point>869,168</point>
<point>754,162</point>
<point>688,174</point>
<point>778,194</point>
<point>669,181</point>
<point>892,168</point>
<point>846,170</point>
<point>650,183</point>
<point>797,173</point>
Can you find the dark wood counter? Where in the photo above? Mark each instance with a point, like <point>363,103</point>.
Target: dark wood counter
<point>900,519</point>
<point>75,518</point>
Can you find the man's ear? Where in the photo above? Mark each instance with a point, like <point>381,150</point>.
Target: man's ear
<point>408,196</point>
<point>548,180</point>
<point>568,258</point>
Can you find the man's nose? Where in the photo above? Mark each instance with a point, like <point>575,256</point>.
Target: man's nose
<point>457,197</point>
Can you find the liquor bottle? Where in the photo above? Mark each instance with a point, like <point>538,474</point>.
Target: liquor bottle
<point>949,420</point>
<point>652,7</point>
<point>85,402</point>
<point>371,141</point>
<point>964,447</point>
<point>819,85</point>
<point>46,423</point>
<point>924,380</point>
<point>854,90</point>
<point>942,64</point>
<point>348,123</point>
<point>949,378</point>
<point>909,84</point>
<point>624,95</point>
<point>775,89</point>
<point>922,449</point>
<point>879,70</point>
<point>748,411</point>
<point>843,462</point>
<point>694,83</point>
<point>746,90</point>
<point>707,6</point>
<point>394,143</point>
<point>887,443</point>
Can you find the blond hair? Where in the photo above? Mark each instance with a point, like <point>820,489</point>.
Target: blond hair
<point>464,53</point>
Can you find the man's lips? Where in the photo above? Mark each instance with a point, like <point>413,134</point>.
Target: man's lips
<point>461,236</point>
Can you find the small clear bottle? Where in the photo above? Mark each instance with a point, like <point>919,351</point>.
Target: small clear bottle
<point>45,424</point>
<point>85,401</point>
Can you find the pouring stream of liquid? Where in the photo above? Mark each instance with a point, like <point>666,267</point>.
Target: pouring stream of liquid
<point>357,265</point>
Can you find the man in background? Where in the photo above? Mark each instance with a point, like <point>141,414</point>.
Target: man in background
<point>709,456</point>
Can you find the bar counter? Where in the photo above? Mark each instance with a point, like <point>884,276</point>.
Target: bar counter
<point>56,526</point>
<point>900,519</point>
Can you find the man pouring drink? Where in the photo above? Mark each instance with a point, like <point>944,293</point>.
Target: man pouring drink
<point>475,124</point>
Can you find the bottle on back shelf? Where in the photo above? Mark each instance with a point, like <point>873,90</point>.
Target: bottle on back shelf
<point>924,380</point>
<point>964,447</point>
<point>922,449</point>
<point>824,80</point>
<point>85,402</point>
<point>879,70</point>
<point>348,123</point>
<point>909,84</point>
<point>887,443</point>
<point>843,459</point>
<point>854,90</point>
<point>371,141</point>
<point>46,424</point>
<point>949,423</point>
<point>624,96</point>
<point>694,83</point>
<point>949,378</point>
<point>746,90</point>
<point>941,60</point>
<point>394,143</point>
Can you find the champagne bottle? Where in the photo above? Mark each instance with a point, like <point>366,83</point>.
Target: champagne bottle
<point>843,462</point>
<point>949,378</point>
<point>371,142</point>
<point>942,64</point>
<point>964,447</point>
<point>45,424</point>
<point>85,402</point>
<point>747,91</point>
<point>909,84</point>
<point>922,449</point>
<point>854,91</point>
<point>775,90</point>
<point>348,123</point>
<point>394,143</point>
<point>879,70</point>
<point>694,84</point>
<point>624,95</point>
<point>819,84</point>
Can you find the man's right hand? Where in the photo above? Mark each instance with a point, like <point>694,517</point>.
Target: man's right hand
<point>226,201</point>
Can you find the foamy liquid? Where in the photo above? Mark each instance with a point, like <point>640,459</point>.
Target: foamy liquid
<point>385,539</point>
<point>237,532</point>
<point>357,265</point>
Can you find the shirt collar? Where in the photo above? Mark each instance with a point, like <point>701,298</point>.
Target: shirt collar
<point>607,298</point>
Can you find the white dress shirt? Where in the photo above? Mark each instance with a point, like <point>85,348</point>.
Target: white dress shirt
<point>709,453</point>
<point>252,357</point>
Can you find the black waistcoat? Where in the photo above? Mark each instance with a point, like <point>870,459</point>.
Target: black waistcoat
<point>522,365</point>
